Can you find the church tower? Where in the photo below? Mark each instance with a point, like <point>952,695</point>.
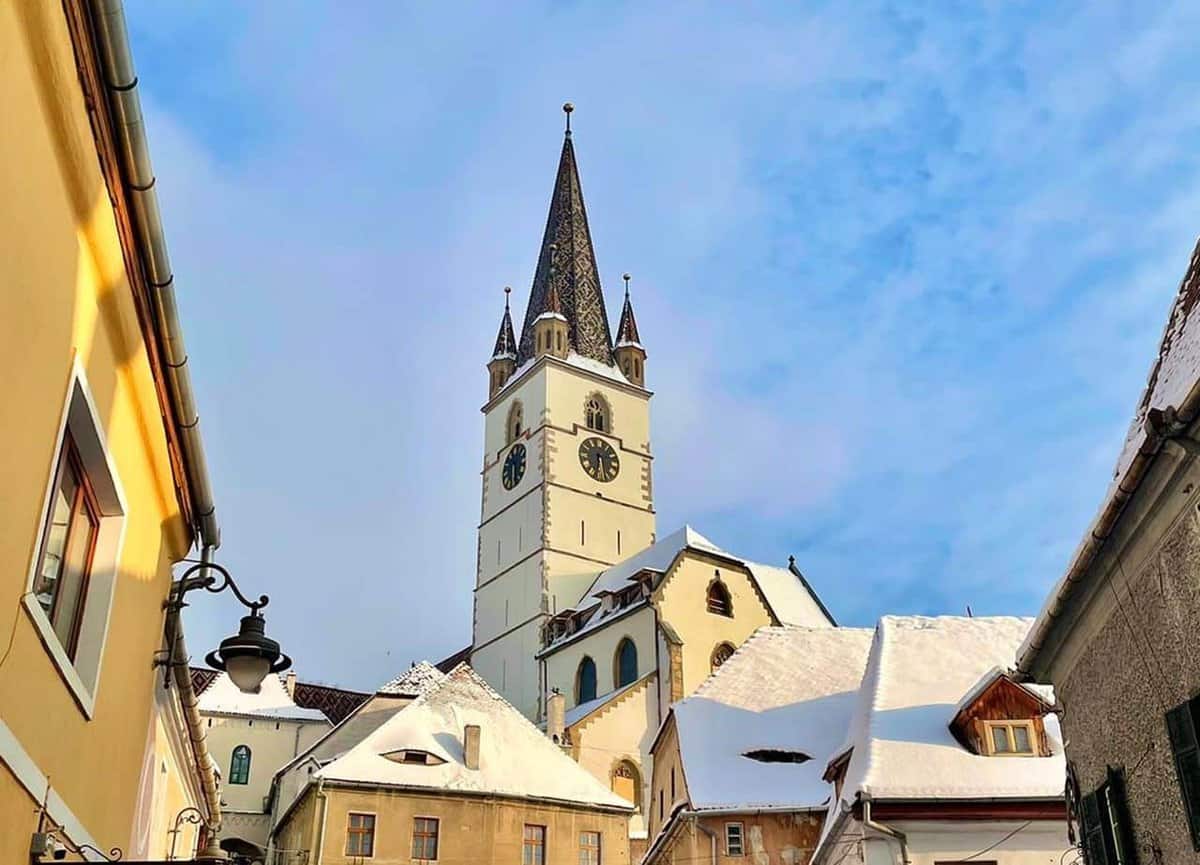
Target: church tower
<point>566,469</point>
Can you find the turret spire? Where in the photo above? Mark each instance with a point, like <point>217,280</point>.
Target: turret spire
<point>627,331</point>
<point>567,243</point>
<point>504,355</point>
<point>629,352</point>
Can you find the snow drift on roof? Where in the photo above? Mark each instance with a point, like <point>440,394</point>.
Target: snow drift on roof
<point>789,598</point>
<point>787,689</point>
<point>271,701</point>
<point>414,681</point>
<point>516,759</point>
<point>918,671</point>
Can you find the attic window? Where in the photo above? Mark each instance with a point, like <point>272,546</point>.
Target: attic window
<point>1009,738</point>
<point>776,755</point>
<point>413,757</point>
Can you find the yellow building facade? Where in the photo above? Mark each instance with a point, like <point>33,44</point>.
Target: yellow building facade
<point>102,491</point>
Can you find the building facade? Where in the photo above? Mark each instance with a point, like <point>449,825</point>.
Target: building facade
<point>103,479</point>
<point>455,775</point>
<point>1119,637</point>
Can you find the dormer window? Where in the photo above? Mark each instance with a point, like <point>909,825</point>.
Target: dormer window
<point>1001,717</point>
<point>413,757</point>
<point>1009,738</point>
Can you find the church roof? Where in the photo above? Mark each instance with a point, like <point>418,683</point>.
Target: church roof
<point>574,277</point>
<point>506,342</point>
<point>627,331</point>
<point>272,700</point>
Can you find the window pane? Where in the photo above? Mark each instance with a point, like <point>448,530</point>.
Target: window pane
<point>1021,740</point>
<point>54,545</point>
<point>73,578</point>
<point>1000,740</point>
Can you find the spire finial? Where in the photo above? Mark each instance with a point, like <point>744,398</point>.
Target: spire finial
<point>567,109</point>
<point>507,292</point>
<point>626,277</point>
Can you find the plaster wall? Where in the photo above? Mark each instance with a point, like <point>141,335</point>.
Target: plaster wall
<point>67,300</point>
<point>471,829</point>
<point>272,743</point>
<point>1042,842</point>
<point>601,646</point>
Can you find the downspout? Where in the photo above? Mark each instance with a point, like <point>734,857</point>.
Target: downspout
<point>712,838</point>
<point>108,18</point>
<point>324,800</point>
<point>889,831</point>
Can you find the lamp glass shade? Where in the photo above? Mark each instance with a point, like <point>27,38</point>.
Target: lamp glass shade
<point>247,672</point>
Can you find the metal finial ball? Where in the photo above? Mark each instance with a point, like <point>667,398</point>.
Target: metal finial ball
<point>508,289</point>
<point>626,277</point>
<point>568,107</point>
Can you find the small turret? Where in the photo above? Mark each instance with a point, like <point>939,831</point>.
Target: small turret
<point>630,355</point>
<point>550,331</point>
<point>504,357</point>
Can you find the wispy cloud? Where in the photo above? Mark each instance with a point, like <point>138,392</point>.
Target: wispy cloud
<point>900,272</point>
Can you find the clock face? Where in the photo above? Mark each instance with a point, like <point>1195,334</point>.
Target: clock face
<point>599,459</point>
<point>514,466</point>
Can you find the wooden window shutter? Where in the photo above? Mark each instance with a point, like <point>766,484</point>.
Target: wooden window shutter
<point>1117,805</point>
<point>1181,726</point>
<point>1094,851</point>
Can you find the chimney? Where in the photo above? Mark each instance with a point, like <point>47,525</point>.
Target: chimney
<point>290,683</point>
<point>471,746</point>
<point>556,711</point>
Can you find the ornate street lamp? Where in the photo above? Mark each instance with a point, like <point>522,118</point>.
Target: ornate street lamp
<point>250,655</point>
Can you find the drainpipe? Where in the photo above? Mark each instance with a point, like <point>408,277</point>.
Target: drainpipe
<point>108,17</point>
<point>886,830</point>
<point>324,813</point>
<point>712,838</point>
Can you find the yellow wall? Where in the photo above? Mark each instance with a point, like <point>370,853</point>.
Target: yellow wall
<point>681,600</point>
<point>667,763</point>
<point>601,647</point>
<point>66,298</point>
<point>472,829</point>
<point>769,839</point>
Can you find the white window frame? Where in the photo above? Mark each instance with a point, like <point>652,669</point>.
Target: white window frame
<point>374,835</point>
<point>82,419</point>
<point>741,835</point>
<point>990,743</point>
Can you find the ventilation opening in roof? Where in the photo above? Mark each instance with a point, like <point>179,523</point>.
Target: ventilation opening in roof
<point>414,757</point>
<point>777,755</point>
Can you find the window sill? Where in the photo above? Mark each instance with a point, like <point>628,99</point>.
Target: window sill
<point>66,669</point>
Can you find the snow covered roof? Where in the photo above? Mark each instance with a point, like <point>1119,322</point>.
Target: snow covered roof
<point>1042,693</point>
<point>789,595</point>
<point>271,701</point>
<point>414,681</point>
<point>1173,386</point>
<point>516,759</point>
<point>787,689</point>
<point>581,710</point>
<point>656,557</point>
<point>917,675</point>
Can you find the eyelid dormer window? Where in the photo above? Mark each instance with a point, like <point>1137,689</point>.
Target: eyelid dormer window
<point>413,757</point>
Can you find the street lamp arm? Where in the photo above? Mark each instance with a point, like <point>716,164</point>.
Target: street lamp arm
<point>210,583</point>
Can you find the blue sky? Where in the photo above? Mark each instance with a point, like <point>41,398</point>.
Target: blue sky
<point>901,270</point>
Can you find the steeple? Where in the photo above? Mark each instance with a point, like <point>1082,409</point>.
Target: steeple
<point>630,355</point>
<point>567,243</point>
<point>550,331</point>
<point>504,356</point>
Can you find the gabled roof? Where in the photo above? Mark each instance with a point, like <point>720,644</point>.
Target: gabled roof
<point>1170,400</point>
<point>1043,695</point>
<point>335,703</point>
<point>919,671</point>
<point>272,701</point>
<point>575,278</point>
<point>414,681</point>
<point>786,689</point>
<point>516,759</point>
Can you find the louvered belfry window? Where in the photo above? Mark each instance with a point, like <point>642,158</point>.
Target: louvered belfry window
<point>1185,746</point>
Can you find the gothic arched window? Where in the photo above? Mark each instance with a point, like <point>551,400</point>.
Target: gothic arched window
<point>721,654</point>
<point>515,421</point>
<point>239,765</point>
<point>626,665</point>
<point>627,782</point>
<point>718,600</point>
<point>585,681</point>
<point>596,414</point>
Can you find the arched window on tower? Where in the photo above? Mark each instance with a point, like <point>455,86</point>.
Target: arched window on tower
<point>722,653</point>
<point>596,414</point>
<point>627,782</point>
<point>626,668</point>
<point>239,765</point>
<point>585,681</point>
<point>718,600</point>
<point>515,422</point>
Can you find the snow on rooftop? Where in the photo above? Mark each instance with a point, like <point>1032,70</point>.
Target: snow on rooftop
<point>656,557</point>
<point>414,681</point>
<point>1045,693</point>
<point>581,710</point>
<point>918,671</point>
<point>786,689</point>
<point>791,600</point>
<point>271,701</point>
<point>516,759</point>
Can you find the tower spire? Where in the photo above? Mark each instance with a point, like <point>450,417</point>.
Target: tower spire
<point>504,356</point>
<point>629,352</point>
<point>575,277</point>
